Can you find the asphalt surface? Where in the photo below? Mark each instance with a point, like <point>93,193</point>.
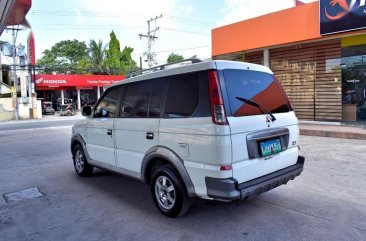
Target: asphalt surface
<point>327,202</point>
<point>46,122</point>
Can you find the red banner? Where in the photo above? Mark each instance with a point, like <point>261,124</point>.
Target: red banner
<point>31,49</point>
<point>45,81</point>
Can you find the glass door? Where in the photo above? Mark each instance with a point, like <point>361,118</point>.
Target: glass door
<point>354,84</point>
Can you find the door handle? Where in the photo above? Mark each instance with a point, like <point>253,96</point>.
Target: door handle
<point>109,132</point>
<point>149,135</point>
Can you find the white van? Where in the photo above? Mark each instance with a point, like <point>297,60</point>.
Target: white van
<point>217,130</point>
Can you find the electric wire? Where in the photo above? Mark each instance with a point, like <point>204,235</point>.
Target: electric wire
<point>186,20</point>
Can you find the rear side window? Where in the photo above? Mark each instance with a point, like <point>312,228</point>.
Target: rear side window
<point>183,96</point>
<point>155,99</point>
<point>257,86</point>
<point>136,100</point>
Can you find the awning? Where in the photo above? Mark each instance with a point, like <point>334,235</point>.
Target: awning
<point>13,12</point>
<point>50,81</point>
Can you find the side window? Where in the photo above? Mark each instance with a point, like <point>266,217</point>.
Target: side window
<point>136,101</point>
<point>155,99</point>
<point>107,107</point>
<point>183,96</point>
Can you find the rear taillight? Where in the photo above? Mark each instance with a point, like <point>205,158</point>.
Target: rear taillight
<point>225,168</point>
<point>217,104</point>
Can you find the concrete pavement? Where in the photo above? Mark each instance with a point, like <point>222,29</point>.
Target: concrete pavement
<point>332,130</point>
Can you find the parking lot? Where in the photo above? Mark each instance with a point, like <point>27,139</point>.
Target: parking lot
<point>327,202</point>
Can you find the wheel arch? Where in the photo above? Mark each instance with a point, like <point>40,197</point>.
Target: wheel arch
<point>159,155</point>
<point>78,139</point>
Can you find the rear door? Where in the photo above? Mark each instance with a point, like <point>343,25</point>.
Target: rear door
<point>137,128</point>
<point>100,141</point>
<point>260,144</point>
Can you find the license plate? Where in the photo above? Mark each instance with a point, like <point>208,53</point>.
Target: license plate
<point>270,146</point>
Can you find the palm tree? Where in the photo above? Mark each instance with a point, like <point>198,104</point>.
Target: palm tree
<point>97,51</point>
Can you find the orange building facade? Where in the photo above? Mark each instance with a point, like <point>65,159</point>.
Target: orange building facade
<point>324,74</point>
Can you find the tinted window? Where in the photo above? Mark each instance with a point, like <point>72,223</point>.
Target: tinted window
<point>155,99</point>
<point>108,105</point>
<point>136,100</point>
<point>183,96</point>
<point>260,87</point>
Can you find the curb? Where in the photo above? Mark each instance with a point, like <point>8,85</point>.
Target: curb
<point>358,133</point>
<point>43,119</point>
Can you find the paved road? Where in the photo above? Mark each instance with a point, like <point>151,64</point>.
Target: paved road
<point>46,122</point>
<point>327,202</point>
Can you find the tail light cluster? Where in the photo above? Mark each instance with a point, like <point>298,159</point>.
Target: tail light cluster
<point>217,103</point>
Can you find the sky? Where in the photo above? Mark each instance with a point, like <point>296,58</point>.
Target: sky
<point>185,26</point>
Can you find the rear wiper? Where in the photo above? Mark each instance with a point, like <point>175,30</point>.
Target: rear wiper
<point>259,106</point>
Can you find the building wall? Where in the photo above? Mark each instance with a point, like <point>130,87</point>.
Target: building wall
<point>7,110</point>
<point>311,76</point>
<point>254,57</point>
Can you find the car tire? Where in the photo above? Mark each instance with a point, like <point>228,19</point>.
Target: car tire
<point>169,193</point>
<point>81,165</point>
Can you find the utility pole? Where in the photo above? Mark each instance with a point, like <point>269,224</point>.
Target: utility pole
<point>150,35</point>
<point>15,79</point>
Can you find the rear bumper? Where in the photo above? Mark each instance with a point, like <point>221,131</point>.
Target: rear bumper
<point>229,189</point>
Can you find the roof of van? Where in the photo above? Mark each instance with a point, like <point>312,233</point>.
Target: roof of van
<point>205,65</point>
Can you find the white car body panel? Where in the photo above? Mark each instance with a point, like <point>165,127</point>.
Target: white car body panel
<point>131,142</point>
<point>100,146</point>
<point>245,169</point>
<point>209,147</point>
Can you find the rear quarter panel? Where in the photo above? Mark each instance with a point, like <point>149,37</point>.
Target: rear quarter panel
<point>201,145</point>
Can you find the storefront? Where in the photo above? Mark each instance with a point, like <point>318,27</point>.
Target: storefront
<point>80,89</point>
<point>316,50</point>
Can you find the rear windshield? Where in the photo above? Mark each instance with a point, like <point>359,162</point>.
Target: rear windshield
<point>260,87</point>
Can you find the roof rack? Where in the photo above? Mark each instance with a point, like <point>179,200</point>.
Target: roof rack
<point>161,67</point>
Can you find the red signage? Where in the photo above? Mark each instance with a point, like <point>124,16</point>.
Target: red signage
<point>31,49</point>
<point>79,81</point>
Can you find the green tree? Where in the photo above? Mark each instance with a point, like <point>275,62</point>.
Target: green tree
<point>67,57</point>
<point>172,58</point>
<point>128,64</point>
<point>118,62</point>
<point>113,55</point>
<point>97,54</point>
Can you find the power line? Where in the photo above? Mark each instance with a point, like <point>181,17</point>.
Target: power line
<point>92,25</point>
<point>198,47</point>
<point>184,31</point>
<point>101,26</point>
<point>184,20</point>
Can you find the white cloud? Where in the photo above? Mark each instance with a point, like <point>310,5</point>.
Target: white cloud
<point>128,13</point>
<point>239,10</point>
<point>80,18</point>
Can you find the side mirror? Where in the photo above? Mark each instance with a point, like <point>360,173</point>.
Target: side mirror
<point>86,111</point>
<point>104,113</point>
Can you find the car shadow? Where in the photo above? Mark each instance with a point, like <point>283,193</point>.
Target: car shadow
<point>137,194</point>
